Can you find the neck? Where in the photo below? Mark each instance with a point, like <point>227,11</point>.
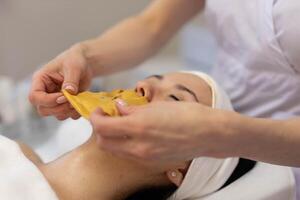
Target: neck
<point>89,173</point>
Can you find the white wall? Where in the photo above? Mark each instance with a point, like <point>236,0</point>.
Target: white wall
<point>34,31</point>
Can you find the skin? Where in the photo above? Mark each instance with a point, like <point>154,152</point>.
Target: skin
<point>209,132</point>
<point>88,172</point>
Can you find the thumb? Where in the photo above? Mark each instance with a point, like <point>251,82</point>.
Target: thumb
<point>123,108</point>
<point>72,77</point>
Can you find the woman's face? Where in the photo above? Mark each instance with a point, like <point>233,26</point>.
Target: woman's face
<point>183,87</point>
<point>169,87</point>
<point>175,87</point>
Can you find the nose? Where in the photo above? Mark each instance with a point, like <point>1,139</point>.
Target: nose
<point>144,89</point>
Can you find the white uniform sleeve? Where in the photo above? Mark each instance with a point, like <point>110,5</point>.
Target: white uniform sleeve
<point>286,21</point>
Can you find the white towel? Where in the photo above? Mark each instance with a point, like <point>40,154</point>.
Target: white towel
<point>20,179</point>
<point>207,175</point>
<point>263,182</point>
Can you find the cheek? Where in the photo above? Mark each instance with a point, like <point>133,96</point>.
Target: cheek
<point>158,98</point>
<point>158,94</point>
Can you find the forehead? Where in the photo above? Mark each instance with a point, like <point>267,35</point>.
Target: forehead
<point>194,83</point>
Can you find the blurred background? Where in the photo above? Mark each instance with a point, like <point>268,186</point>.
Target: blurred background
<point>33,32</point>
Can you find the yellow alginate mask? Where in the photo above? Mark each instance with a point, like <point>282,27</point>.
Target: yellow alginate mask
<point>86,102</point>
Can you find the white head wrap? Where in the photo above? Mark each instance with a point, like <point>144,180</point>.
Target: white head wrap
<point>207,175</point>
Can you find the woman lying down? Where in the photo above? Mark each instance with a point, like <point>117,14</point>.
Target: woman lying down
<point>87,173</point>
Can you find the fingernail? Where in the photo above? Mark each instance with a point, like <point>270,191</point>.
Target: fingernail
<point>61,100</point>
<point>70,88</point>
<point>121,102</point>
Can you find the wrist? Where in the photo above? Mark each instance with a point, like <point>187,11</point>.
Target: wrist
<point>229,125</point>
<point>220,133</point>
<point>246,135</point>
<point>92,59</point>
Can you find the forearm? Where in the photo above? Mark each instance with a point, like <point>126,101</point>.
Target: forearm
<point>137,38</point>
<point>266,140</point>
<point>125,45</point>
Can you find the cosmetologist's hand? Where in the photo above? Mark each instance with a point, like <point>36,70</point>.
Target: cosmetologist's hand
<point>68,71</point>
<point>163,132</point>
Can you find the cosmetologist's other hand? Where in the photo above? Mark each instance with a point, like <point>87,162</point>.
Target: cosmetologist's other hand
<point>163,132</point>
<point>68,71</point>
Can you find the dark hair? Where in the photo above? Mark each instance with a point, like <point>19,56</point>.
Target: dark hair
<point>153,193</point>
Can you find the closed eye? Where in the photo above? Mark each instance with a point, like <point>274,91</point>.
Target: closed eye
<point>174,97</point>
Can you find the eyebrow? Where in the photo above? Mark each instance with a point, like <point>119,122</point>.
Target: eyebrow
<point>183,88</point>
<point>159,77</point>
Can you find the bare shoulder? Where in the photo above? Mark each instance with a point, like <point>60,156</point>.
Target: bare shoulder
<point>29,153</point>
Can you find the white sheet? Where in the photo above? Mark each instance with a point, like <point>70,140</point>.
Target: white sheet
<point>20,179</point>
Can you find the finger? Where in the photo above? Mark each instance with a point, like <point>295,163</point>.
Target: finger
<point>124,109</point>
<point>47,81</point>
<point>61,100</point>
<point>38,94</point>
<point>57,110</point>
<point>75,115</point>
<point>62,117</point>
<point>38,82</point>
<point>105,126</point>
<point>100,112</point>
<point>116,146</point>
<point>72,77</point>
<point>40,98</point>
<point>52,81</point>
<point>128,148</point>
